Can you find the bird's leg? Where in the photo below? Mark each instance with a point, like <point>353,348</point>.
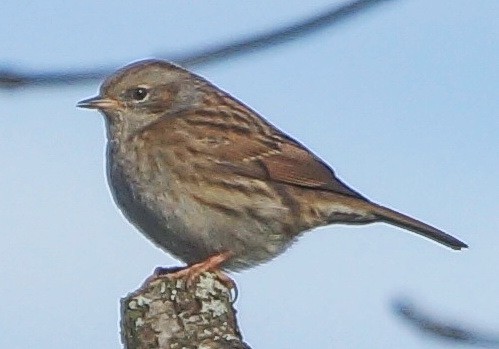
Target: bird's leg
<point>192,272</point>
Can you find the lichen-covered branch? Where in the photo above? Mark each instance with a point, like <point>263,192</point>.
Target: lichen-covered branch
<point>167,314</point>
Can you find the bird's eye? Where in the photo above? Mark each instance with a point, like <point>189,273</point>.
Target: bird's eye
<point>139,93</point>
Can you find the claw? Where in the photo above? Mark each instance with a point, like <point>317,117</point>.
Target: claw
<point>192,272</point>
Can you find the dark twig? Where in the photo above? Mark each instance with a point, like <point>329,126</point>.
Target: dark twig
<point>13,78</point>
<point>278,36</point>
<point>441,329</point>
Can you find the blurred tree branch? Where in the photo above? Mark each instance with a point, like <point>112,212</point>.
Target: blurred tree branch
<point>167,314</point>
<point>441,329</point>
<point>11,79</point>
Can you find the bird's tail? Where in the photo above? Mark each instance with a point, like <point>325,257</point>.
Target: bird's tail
<point>387,215</point>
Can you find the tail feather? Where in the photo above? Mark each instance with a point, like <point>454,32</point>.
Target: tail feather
<point>398,219</point>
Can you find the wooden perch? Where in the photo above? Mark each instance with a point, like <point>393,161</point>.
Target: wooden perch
<point>165,314</point>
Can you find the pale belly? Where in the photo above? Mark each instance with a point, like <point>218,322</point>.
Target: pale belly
<point>191,230</point>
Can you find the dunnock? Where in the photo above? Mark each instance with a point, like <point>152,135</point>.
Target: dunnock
<point>212,182</point>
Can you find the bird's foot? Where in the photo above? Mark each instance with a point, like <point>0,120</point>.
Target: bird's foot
<point>191,273</point>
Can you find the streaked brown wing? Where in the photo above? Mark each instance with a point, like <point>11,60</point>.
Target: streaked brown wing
<point>258,152</point>
<point>296,165</point>
<point>280,159</point>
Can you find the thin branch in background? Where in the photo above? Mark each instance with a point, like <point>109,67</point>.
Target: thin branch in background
<point>278,36</point>
<point>10,78</point>
<point>441,329</point>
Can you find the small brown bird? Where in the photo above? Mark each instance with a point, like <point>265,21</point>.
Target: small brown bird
<point>212,182</point>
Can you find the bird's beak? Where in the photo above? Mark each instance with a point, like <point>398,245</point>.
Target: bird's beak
<point>97,102</point>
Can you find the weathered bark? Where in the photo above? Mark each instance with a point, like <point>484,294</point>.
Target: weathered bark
<point>165,314</point>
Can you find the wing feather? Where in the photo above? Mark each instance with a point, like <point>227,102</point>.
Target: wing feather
<point>257,152</point>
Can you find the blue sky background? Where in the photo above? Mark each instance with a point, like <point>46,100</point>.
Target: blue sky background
<point>402,101</point>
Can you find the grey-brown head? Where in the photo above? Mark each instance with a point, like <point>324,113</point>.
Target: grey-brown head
<point>141,92</point>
